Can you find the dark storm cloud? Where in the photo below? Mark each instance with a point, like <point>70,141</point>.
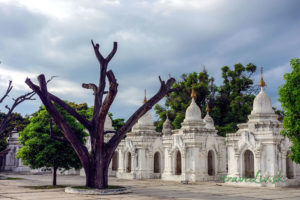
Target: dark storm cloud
<point>159,37</point>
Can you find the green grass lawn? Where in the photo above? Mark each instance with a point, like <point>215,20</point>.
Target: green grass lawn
<point>10,178</point>
<point>88,188</point>
<point>40,187</point>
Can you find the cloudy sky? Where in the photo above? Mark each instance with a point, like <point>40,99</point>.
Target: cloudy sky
<point>157,37</point>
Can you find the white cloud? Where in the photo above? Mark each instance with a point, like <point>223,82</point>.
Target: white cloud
<point>239,40</point>
<point>17,76</point>
<point>276,73</point>
<point>62,10</point>
<point>130,97</point>
<point>57,86</point>
<point>168,7</point>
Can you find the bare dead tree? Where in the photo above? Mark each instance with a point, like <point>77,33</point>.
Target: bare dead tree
<point>96,163</point>
<point>9,115</point>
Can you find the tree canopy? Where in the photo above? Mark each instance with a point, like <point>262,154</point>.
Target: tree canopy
<point>18,121</point>
<point>42,149</point>
<point>177,102</point>
<point>230,103</point>
<point>289,96</point>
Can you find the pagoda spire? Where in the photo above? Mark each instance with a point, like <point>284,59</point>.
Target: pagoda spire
<point>262,82</point>
<point>207,109</point>
<point>145,98</point>
<point>193,94</point>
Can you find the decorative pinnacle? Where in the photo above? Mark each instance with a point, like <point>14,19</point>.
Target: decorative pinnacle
<point>262,82</point>
<point>193,94</point>
<point>207,110</point>
<point>145,98</point>
<point>167,114</point>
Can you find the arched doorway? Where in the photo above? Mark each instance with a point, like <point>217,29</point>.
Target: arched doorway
<point>178,163</point>
<point>115,161</point>
<point>211,163</point>
<point>248,164</point>
<point>289,167</point>
<point>128,167</point>
<point>156,168</point>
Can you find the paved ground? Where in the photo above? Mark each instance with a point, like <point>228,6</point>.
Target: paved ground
<point>142,189</point>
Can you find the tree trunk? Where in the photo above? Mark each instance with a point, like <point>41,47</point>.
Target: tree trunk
<point>54,176</point>
<point>97,175</point>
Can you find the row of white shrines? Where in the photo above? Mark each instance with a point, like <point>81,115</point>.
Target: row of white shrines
<point>256,155</point>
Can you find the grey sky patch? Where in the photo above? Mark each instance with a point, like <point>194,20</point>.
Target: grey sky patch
<point>159,37</point>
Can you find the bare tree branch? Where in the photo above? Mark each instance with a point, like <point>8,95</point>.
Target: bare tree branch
<point>97,52</point>
<point>51,78</point>
<point>60,122</point>
<point>70,110</point>
<point>100,92</point>
<point>17,101</point>
<point>8,108</point>
<point>90,86</point>
<point>9,88</point>
<point>113,90</point>
<point>165,88</point>
<point>57,100</point>
<point>161,82</point>
<point>112,53</point>
<point>106,132</point>
<point>52,136</point>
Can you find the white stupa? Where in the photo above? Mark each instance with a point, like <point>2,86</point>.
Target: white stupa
<point>262,107</point>
<point>193,114</point>
<point>167,127</point>
<point>209,122</point>
<point>145,123</point>
<point>108,124</point>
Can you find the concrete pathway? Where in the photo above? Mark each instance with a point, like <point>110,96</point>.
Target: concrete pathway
<point>141,189</point>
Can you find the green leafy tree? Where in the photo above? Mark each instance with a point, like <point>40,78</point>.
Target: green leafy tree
<point>235,97</point>
<point>229,103</point>
<point>44,144</point>
<point>17,121</point>
<point>289,96</point>
<point>116,123</point>
<point>177,102</point>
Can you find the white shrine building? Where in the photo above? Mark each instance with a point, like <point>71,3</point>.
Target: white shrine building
<point>193,153</point>
<point>258,148</point>
<point>8,160</point>
<point>196,153</point>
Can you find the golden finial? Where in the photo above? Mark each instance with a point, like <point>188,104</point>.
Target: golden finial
<point>207,110</point>
<point>193,94</point>
<point>167,114</point>
<point>145,99</point>
<point>262,82</point>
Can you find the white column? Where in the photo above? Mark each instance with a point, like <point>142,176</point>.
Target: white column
<point>121,162</point>
<point>203,163</point>
<point>234,168</point>
<point>196,160</point>
<point>238,170</point>
<point>133,164</point>
<point>257,165</point>
<point>144,163</point>
<point>183,162</point>
<point>270,161</point>
<point>168,163</point>
<point>283,165</point>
